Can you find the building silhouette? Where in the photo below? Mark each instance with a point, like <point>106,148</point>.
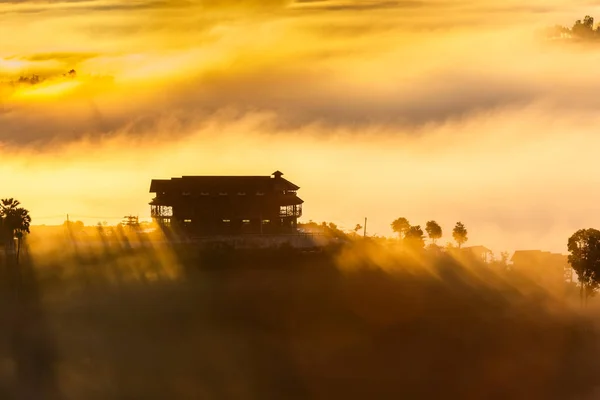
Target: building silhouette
<point>543,265</point>
<point>217,205</point>
<point>479,252</point>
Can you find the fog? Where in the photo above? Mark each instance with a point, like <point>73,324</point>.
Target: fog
<point>441,110</point>
<point>114,313</point>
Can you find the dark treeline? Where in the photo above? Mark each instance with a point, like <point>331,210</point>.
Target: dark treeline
<point>582,30</point>
<point>35,79</point>
<point>414,236</point>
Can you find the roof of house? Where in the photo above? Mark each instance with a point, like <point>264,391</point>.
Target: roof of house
<point>221,183</point>
<point>527,255</point>
<point>478,249</point>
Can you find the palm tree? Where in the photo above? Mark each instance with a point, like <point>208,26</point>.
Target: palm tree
<point>14,223</point>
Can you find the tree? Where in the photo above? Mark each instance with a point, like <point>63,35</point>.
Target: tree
<point>15,223</point>
<point>504,258</point>
<point>400,226</point>
<point>557,31</point>
<point>357,228</point>
<point>434,231</point>
<point>460,234</point>
<point>414,237</point>
<point>584,257</point>
<point>581,30</point>
<point>585,29</point>
<point>328,229</point>
<point>500,264</point>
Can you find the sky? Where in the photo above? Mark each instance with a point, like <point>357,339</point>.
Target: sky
<point>448,110</point>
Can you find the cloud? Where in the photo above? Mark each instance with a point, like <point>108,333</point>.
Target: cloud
<point>120,6</point>
<point>310,84</point>
<point>447,110</point>
<point>59,56</point>
<point>360,6</point>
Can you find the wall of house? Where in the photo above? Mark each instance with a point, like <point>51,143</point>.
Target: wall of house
<point>302,241</point>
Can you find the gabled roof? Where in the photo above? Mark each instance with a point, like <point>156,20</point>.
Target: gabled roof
<point>221,183</point>
<point>530,252</point>
<point>478,249</point>
<point>529,255</point>
<point>526,254</point>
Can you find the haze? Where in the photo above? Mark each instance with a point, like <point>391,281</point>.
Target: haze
<point>445,110</point>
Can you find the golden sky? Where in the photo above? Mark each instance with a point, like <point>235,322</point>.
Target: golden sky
<point>446,110</point>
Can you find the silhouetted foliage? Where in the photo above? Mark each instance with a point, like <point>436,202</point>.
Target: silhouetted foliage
<point>326,228</point>
<point>400,226</point>
<point>332,229</point>
<point>450,246</point>
<point>35,79</point>
<point>504,256</point>
<point>585,29</point>
<point>15,223</point>
<point>414,237</point>
<point>557,31</point>
<point>434,231</point>
<point>581,30</point>
<point>102,230</point>
<point>357,229</point>
<point>31,80</point>
<point>584,257</point>
<point>459,233</point>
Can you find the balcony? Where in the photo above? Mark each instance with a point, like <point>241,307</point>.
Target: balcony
<point>159,211</point>
<point>290,211</point>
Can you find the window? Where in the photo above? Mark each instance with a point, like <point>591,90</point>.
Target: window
<point>260,193</point>
<point>185,193</point>
<point>226,221</point>
<point>187,221</point>
<point>266,221</point>
<point>245,221</point>
<point>290,211</point>
<point>204,194</point>
<point>161,211</point>
<point>222,193</point>
<point>241,193</point>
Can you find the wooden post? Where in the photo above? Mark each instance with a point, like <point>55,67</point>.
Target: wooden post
<point>365,230</point>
